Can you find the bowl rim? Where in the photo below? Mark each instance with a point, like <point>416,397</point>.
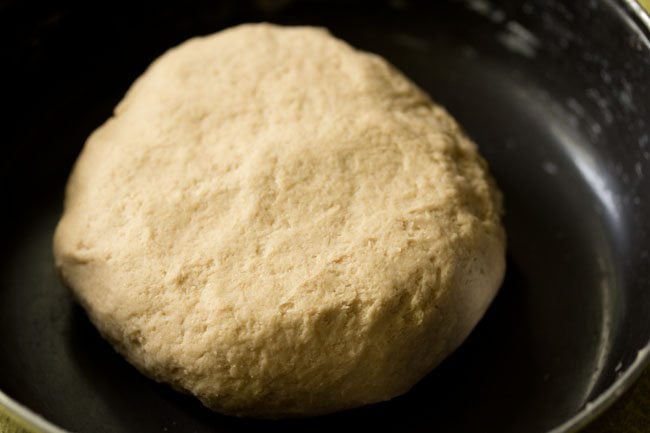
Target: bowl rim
<point>639,19</point>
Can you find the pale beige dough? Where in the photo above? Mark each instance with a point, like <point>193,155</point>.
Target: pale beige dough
<point>281,225</point>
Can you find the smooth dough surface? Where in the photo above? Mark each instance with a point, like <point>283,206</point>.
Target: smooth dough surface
<point>281,225</point>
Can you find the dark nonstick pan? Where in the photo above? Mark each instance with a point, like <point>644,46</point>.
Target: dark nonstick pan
<point>557,94</point>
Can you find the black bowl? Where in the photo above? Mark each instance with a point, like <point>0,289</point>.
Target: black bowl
<point>557,94</point>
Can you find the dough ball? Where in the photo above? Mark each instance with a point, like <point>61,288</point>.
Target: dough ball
<point>281,225</point>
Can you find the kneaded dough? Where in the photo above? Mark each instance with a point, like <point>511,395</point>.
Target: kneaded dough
<point>281,225</point>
